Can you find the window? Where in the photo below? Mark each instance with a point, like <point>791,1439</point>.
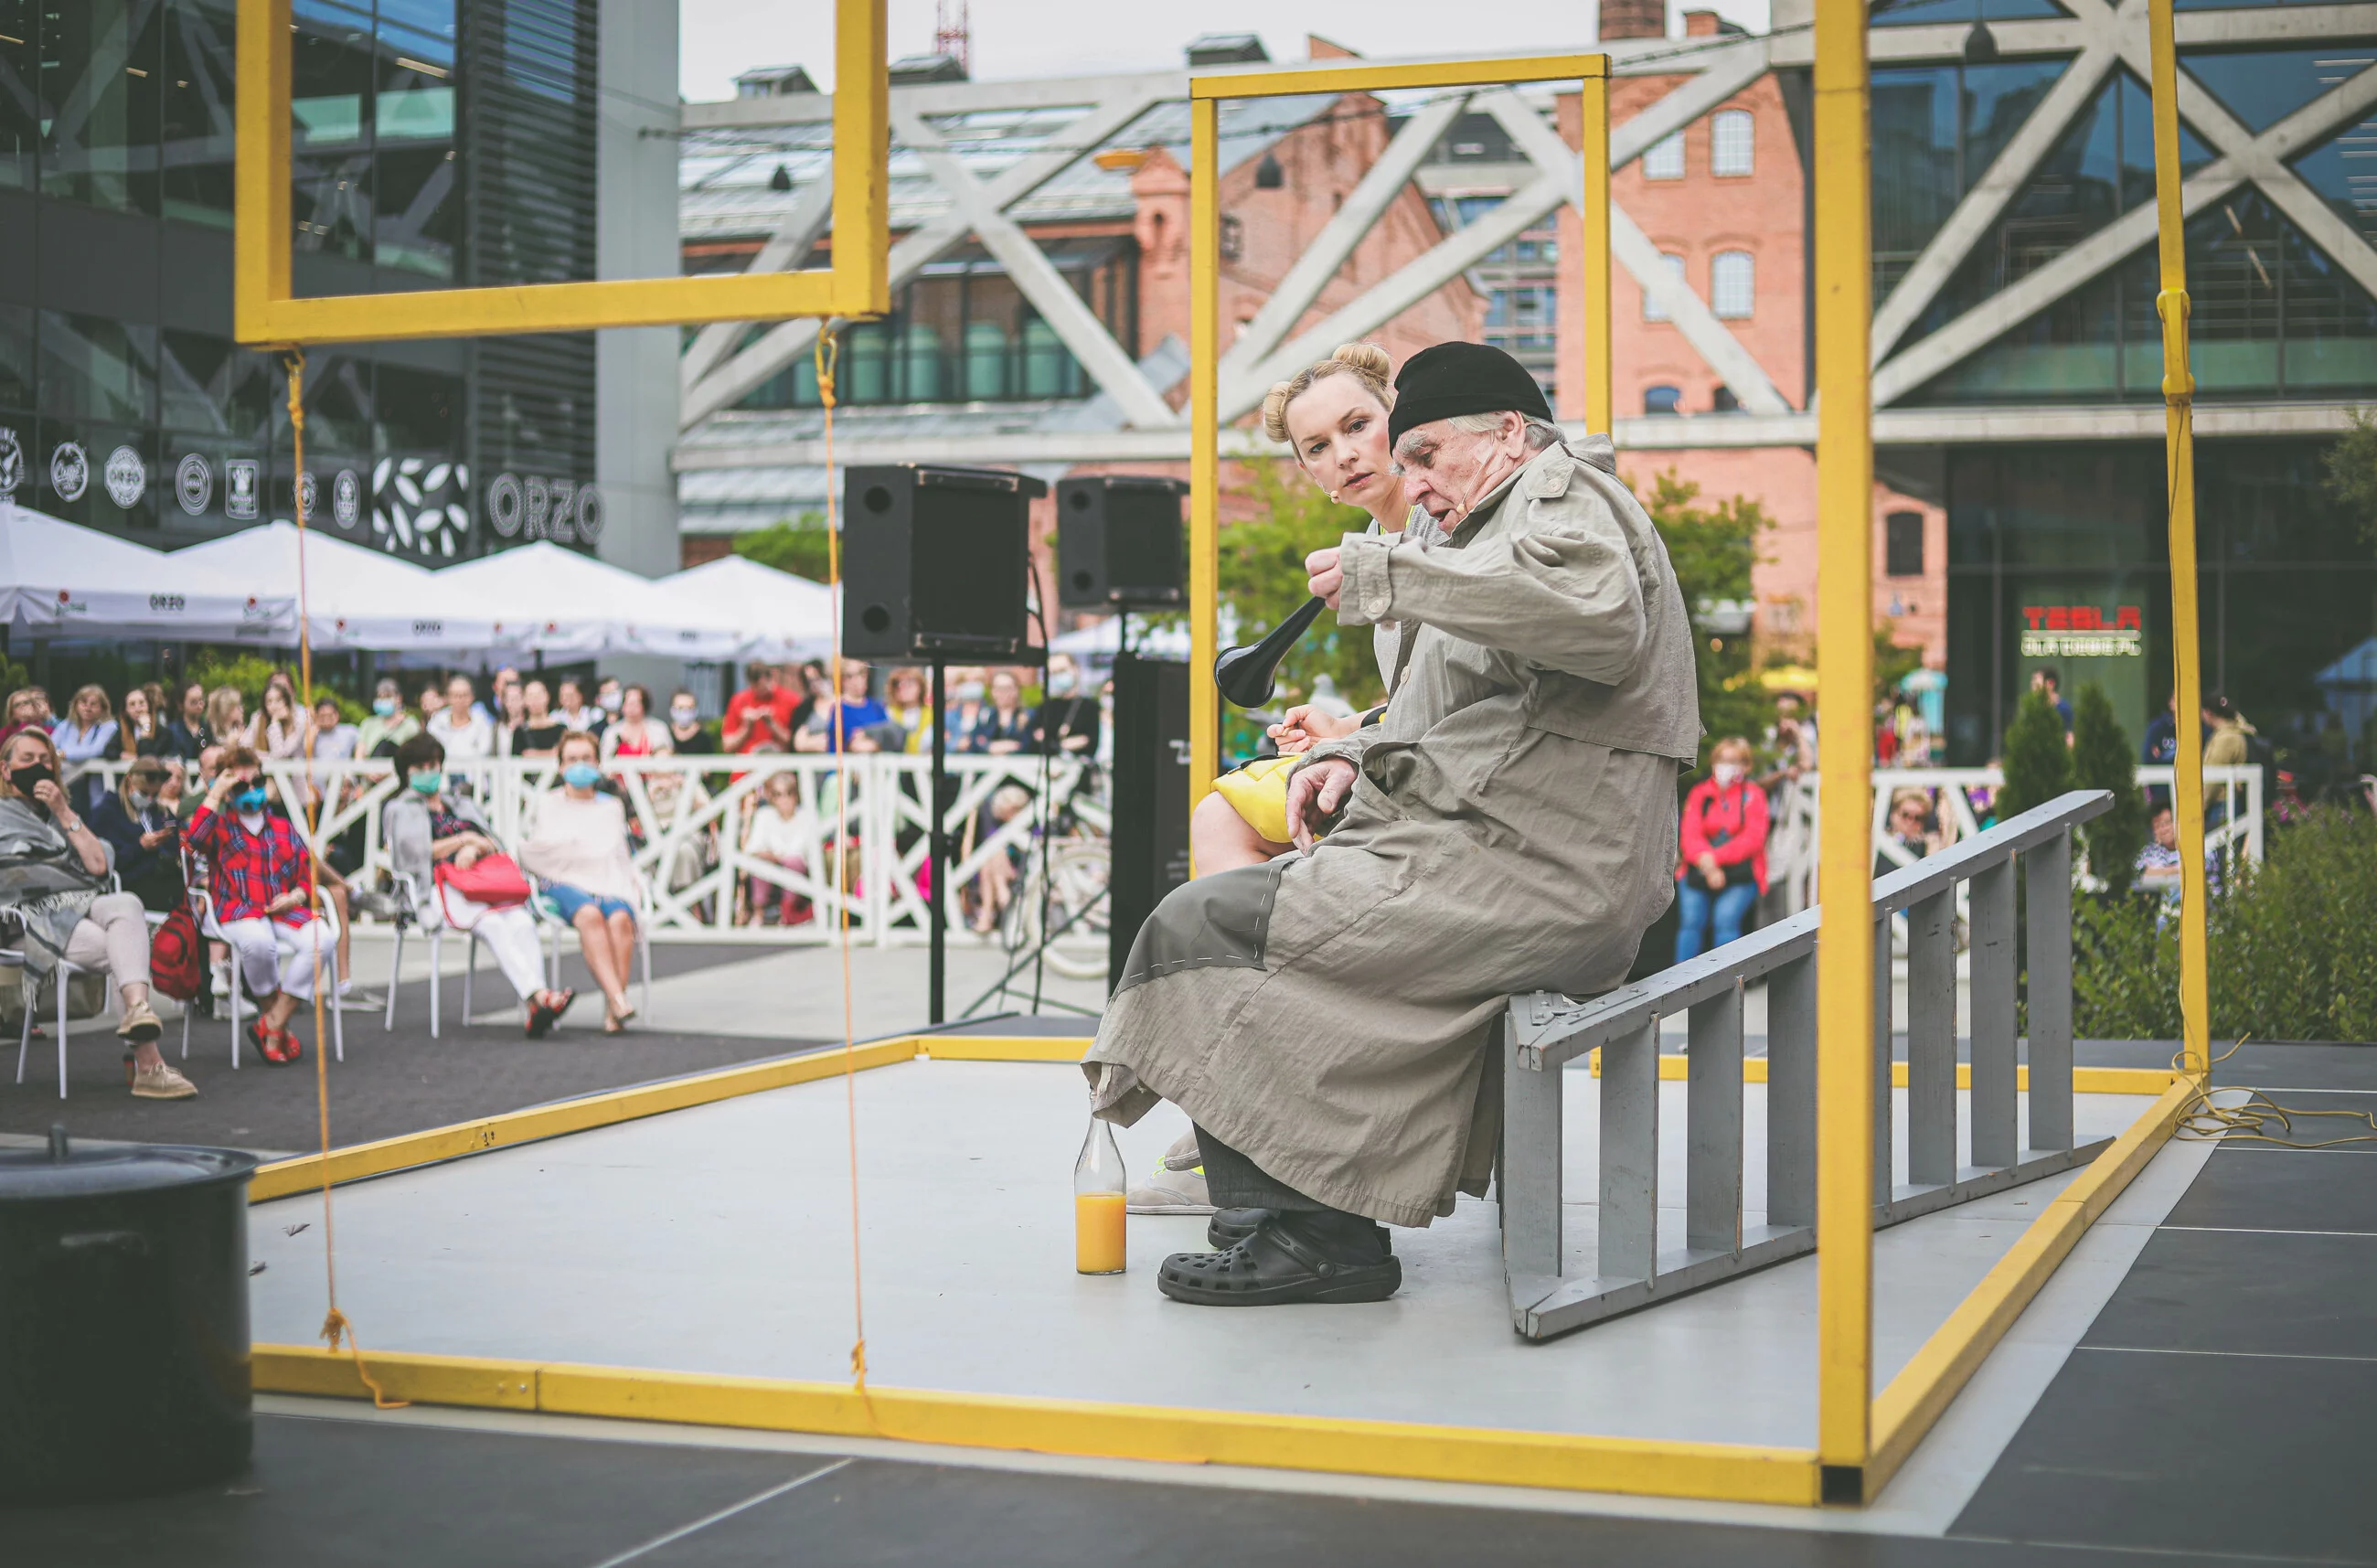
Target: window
<point>1903,543</point>
<point>1652,309</point>
<point>1661,399</point>
<point>1733,286</point>
<point>1232,237</point>
<point>1664,159</point>
<point>1725,402</point>
<point>1732,142</point>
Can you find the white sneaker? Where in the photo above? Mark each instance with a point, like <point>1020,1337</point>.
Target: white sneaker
<point>222,980</point>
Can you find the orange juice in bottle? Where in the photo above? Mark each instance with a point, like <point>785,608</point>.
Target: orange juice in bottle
<point>1100,1189</point>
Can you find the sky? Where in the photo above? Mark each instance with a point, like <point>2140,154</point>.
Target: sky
<point>1054,38</point>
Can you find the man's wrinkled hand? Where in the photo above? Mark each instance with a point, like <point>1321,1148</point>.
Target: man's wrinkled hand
<point>1314,793</point>
<point>1304,726</point>
<point>1328,578</point>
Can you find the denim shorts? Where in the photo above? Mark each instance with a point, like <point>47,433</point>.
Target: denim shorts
<point>567,900</point>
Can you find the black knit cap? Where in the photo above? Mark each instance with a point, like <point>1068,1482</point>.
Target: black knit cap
<point>1451,378</point>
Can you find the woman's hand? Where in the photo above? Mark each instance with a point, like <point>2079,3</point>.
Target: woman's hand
<point>1710,872</point>
<point>1314,793</point>
<point>53,798</point>
<point>288,900</point>
<point>1304,726</point>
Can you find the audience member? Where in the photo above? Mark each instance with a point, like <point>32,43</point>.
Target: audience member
<point>28,708</point>
<point>226,717</point>
<point>785,832</point>
<point>186,733</point>
<point>257,877</point>
<point>539,730</point>
<point>511,711</point>
<point>389,726</point>
<point>280,734</point>
<point>334,739</point>
<point>965,689</point>
<point>688,737</point>
<point>1067,722</point>
<point>758,717</point>
<point>139,731</point>
<point>846,726</point>
<point>608,696</point>
<point>2049,680</point>
<point>577,849</point>
<point>907,699</point>
<point>85,735</point>
<point>1005,726</point>
<point>466,733</point>
<point>138,824</point>
<point>1724,863</point>
<point>426,826</point>
<point>635,732</point>
<point>55,899</point>
<point>574,711</point>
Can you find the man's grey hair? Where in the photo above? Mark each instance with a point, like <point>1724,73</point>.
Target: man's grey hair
<point>1542,434</point>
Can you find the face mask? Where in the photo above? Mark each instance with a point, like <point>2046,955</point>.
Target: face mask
<point>684,716</point>
<point>138,803</point>
<point>427,783</point>
<point>249,800</point>
<point>1060,686</point>
<point>969,691</point>
<point>581,775</point>
<point>611,701</point>
<point>1729,774</point>
<point>24,779</point>
<point>385,707</point>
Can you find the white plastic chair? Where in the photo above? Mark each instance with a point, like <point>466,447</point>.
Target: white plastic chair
<point>210,928</point>
<point>14,958</point>
<point>436,930</point>
<point>551,925</point>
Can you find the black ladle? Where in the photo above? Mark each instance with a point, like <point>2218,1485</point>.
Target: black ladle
<point>1246,676</point>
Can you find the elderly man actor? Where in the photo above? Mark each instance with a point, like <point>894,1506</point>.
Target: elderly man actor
<point>1329,1019</point>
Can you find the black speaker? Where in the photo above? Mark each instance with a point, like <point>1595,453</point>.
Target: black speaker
<point>1118,542</point>
<point>934,562</point>
<point>1151,798</point>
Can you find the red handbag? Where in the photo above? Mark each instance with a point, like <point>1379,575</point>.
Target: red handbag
<point>493,881</point>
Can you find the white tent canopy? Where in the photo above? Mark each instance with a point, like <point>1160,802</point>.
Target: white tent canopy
<point>558,601</point>
<point>356,597</point>
<point>58,580</point>
<point>781,617</point>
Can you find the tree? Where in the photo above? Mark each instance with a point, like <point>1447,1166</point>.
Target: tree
<point>797,545</point>
<point>2103,758</point>
<point>2038,763</point>
<point>2352,472</point>
<point>1263,581</point>
<point>1713,549</point>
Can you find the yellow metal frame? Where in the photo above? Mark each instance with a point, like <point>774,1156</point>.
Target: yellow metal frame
<point>1205,95</point>
<point>266,311</point>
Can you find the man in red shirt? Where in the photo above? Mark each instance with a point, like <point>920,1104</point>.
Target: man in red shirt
<point>758,717</point>
<point>257,880</point>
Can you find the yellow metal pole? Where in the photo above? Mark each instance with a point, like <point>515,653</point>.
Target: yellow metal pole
<point>1204,447</point>
<point>260,232</point>
<point>2186,632</point>
<point>1600,376</point>
<point>1844,688</point>
<point>862,135</point>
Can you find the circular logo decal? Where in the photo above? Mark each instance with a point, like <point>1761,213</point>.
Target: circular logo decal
<point>69,471</point>
<point>347,498</point>
<point>126,477</point>
<point>12,462</point>
<point>309,496</point>
<point>194,483</point>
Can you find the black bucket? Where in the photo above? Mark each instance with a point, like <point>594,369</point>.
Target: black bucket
<point>123,1346</point>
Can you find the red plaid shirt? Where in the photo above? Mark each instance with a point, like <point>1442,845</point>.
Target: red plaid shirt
<point>249,871</point>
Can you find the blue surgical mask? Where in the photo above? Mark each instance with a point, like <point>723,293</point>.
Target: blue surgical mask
<point>581,775</point>
<point>427,783</point>
<point>249,800</point>
<point>385,707</point>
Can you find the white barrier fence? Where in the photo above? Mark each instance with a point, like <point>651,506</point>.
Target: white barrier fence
<point>693,814</point>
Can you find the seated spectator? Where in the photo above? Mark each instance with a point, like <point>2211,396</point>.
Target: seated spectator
<point>609,696</point>
<point>334,739</point>
<point>432,703</point>
<point>845,726</point>
<point>141,731</point>
<point>907,699</point>
<point>758,717</point>
<point>53,901</point>
<point>1914,826</point>
<point>139,825</point>
<point>85,735</point>
<point>28,708</point>
<point>1723,865</point>
<point>466,733</point>
<point>281,734</point>
<point>782,833</point>
<point>427,825</point>
<point>188,734</point>
<point>635,732</point>
<point>389,726</point>
<point>511,711</point>
<point>579,852</point>
<point>226,716</point>
<point>539,730</point>
<point>2158,861</point>
<point>262,891</point>
<point>688,737</point>
<point>1004,725</point>
<point>576,712</point>
<point>1067,722</point>
<point>994,887</point>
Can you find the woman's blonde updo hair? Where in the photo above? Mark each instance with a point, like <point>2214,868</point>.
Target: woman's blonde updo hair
<point>1367,362</point>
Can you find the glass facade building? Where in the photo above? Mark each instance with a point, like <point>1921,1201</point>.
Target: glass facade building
<point>434,142</point>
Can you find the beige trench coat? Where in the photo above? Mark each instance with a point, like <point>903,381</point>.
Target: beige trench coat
<point>1335,1016</point>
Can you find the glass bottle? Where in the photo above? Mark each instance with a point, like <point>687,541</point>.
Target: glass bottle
<point>1101,1188</point>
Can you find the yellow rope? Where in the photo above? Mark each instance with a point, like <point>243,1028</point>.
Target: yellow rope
<point>2250,1120</point>
<point>335,1324</point>
<point>827,352</point>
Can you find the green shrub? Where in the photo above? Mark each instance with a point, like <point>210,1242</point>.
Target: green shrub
<point>2293,945</point>
<point>2102,758</point>
<point>2038,763</point>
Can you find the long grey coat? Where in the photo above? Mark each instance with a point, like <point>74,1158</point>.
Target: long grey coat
<point>1332,1016</point>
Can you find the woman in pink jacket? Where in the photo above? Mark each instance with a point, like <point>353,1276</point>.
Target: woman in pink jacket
<point>1723,865</point>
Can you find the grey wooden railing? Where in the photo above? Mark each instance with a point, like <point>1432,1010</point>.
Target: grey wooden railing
<point>1544,1031</point>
